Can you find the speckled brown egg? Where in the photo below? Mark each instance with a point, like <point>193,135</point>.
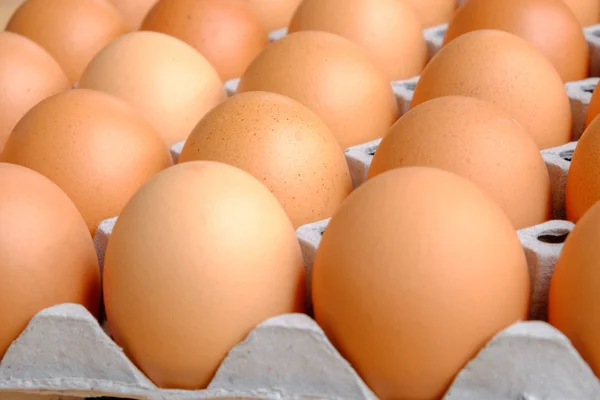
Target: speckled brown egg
<point>273,14</point>
<point>281,143</point>
<point>200,255</point>
<point>333,77</point>
<point>506,70</point>
<point>133,11</point>
<point>28,74</point>
<point>415,273</point>
<point>547,24</point>
<point>479,141</point>
<point>167,80</point>
<point>94,146</point>
<point>72,31</point>
<point>433,12</point>
<point>224,31</point>
<point>583,179</point>
<point>389,30</point>
<point>48,257</point>
<point>586,11</point>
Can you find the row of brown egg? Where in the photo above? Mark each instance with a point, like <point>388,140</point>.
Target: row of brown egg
<point>124,52</point>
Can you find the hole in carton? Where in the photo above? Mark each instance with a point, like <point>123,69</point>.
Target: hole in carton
<point>557,237</point>
<point>596,33</point>
<point>588,88</point>
<point>566,155</point>
<point>371,150</point>
<point>440,33</point>
<point>323,231</point>
<point>410,86</point>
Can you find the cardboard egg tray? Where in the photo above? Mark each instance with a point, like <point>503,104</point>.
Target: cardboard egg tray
<point>65,353</point>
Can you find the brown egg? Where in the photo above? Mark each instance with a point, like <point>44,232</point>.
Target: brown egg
<point>574,299</point>
<point>547,24</point>
<point>587,11</point>
<point>94,146</point>
<point>593,108</point>
<point>583,180</point>
<point>72,31</point>
<point>389,30</point>
<point>476,140</point>
<point>415,273</point>
<point>200,256</point>
<point>48,257</point>
<point>224,31</point>
<point>281,143</point>
<point>273,14</point>
<point>433,12</point>
<point>28,74</point>
<point>133,11</point>
<point>168,81</point>
<point>508,71</point>
<point>333,77</point>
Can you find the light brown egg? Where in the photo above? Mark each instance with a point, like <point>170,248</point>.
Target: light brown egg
<point>72,31</point>
<point>433,12</point>
<point>574,299</point>
<point>273,14</point>
<point>508,71</point>
<point>476,140</point>
<point>48,256</point>
<point>547,24</point>
<point>389,30</point>
<point>282,144</point>
<point>28,74</point>
<point>593,108</point>
<point>415,273</point>
<point>224,31</point>
<point>333,77</point>
<point>587,11</point>
<point>94,146</point>
<point>583,180</point>
<point>200,255</point>
<point>168,81</point>
<point>133,11</point>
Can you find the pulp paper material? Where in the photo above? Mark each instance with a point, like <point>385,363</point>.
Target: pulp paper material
<point>592,35</point>
<point>277,34</point>
<point>176,150</point>
<point>542,245</point>
<point>434,37</point>
<point>580,95</point>
<point>527,361</point>
<point>63,351</point>
<point>558,161</point>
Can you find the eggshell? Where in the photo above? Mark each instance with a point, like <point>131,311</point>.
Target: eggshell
<point>417,270</point>
<point>587,11</point>
<point>168,81</point>
<point>93,145</point>
<point>433,12</point>
<point>389,30</point>
<point>506,70</point>
<point>200,255</point>
<point>333,77</point>
<point>281,143</point>
<point>593,108</point>
<point>28,74</point>
<point>273,14</point>
<point>72,31</point>
<point>476,140</point>
<point>583,180</point>
<point>47,256</point>
<point>574,299</point>
<point>224,31</point>
<point>547,24</point>
<point>133,11</point>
